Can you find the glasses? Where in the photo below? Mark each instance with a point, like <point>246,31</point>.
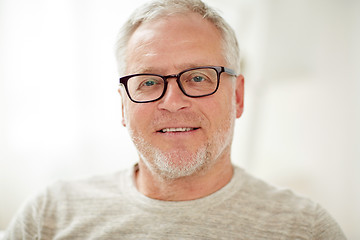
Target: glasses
<point>193,82</point>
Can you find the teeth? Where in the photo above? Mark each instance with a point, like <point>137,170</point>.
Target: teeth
<point>176,129</point>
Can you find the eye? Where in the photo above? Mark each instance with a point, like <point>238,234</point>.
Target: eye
<point>198,79</point>
<point>149,83</point>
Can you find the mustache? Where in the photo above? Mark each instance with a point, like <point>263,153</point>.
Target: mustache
<point>173,118</point>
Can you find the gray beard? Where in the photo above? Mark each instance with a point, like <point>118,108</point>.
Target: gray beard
<point>181,163</point>
<point>177,163</point>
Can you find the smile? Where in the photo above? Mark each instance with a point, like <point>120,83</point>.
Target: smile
<point>183,129</point>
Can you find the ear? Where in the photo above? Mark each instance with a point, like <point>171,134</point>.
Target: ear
<point>123,122</point>
<point>239,95</point>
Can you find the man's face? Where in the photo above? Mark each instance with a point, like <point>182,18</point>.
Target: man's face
<point>177,135</point>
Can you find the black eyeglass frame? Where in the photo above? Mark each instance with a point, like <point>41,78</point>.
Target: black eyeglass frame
<point>123,81</point>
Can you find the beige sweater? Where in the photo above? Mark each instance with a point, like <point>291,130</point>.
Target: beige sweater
<point>110,207</point>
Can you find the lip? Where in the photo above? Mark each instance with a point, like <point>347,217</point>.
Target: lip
<point>177,130</point>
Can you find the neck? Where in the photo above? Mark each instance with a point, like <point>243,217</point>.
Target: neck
<point>184,188</point>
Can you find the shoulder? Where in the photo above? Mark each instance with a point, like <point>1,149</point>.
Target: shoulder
<point>93,185</point>
<point>81,188</point>
<point>260,192</point>
<point>64,202</point>
<point>263,203</point>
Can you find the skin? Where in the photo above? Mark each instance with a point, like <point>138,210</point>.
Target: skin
<point>168,46</point>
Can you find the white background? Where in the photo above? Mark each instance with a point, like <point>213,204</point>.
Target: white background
<point>60,111</point>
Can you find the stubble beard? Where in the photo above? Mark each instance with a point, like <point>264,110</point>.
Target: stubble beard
<point>175,163</point>
<point>178,163</point>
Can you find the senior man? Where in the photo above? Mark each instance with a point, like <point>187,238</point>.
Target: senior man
<point>181,93</point>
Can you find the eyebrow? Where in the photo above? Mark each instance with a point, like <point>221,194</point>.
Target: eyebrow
<point>181,67</point>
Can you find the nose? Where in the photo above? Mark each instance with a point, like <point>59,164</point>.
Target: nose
<point>174,99</point>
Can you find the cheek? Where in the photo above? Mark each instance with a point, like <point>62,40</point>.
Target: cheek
<point>225,99</point>
<point>218,111</point>
<point>136,115</point>
<point>223,110</point>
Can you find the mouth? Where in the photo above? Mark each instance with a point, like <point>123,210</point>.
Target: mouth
<point>177,130</point>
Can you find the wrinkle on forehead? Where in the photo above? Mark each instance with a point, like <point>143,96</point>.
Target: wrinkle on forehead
<point>164,41</point>
<point>164,71</point>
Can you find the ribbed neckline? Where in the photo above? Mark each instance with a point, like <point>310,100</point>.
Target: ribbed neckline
<point>144,202</point>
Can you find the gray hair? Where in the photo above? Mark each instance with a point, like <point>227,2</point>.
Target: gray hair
<point>160,8</point>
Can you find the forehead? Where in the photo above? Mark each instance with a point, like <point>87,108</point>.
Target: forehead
<point>176,42</point>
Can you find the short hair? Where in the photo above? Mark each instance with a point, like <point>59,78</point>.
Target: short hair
<point>160,8</point>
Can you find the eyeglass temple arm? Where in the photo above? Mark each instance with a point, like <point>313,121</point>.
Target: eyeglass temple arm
<point>230,71</point>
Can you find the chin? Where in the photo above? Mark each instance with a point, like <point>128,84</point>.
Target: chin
<point>178,164</point>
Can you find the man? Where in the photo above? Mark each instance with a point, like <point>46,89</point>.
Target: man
<point>181,93</point>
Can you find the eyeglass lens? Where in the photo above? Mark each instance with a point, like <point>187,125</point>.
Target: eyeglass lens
<point>195,82</point>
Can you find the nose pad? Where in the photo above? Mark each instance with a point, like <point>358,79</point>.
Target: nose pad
<point>174,99</point>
